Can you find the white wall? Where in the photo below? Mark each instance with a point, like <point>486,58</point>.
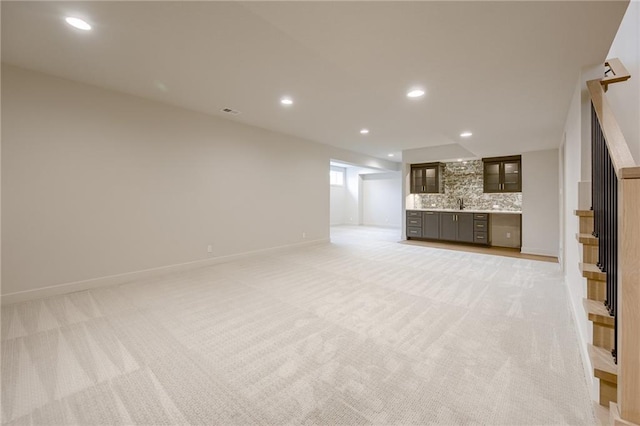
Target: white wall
<point>338,198</point>
<point>625,97</point>
<point>540,203</point>
<point>576,284</point>
<point>97,183</point>
<point>382,199</point>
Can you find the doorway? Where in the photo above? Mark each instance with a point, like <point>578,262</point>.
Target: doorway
<point>364,196</point>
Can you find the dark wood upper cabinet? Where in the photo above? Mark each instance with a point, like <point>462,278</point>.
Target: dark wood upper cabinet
<point>503,174</point>
<point>426,178</point>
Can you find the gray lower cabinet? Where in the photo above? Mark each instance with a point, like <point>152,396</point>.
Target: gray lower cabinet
<point>448,226</point>
<point>465,227</point>
<point>431,225</point>
<point>414,224</point>
<point>481,228</point>
<point>456,227</point>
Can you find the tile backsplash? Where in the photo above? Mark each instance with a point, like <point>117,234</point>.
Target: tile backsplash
<point>465,181</point>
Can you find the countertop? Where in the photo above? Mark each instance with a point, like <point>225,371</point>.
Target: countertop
<point>467,211</point>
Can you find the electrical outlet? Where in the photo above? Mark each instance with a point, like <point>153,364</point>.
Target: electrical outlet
<point>508,234</point>
<point>209,248</point>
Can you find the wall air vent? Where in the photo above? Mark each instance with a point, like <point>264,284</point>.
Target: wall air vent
<point>230,111</point>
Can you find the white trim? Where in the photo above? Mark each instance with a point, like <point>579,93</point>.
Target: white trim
<point>576,313</point>
<point>58,289</point>
<point>538,252</point>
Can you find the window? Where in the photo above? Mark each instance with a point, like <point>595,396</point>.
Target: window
<point>336,176</point>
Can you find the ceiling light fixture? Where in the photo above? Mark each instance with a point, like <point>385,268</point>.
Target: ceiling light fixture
<point>415,93</point>
<point>77,23</point>
<point>465,134</point>
<point>389,155</point>
<point>286,101</point>
<point>364,131</point>
<point>459,160</point>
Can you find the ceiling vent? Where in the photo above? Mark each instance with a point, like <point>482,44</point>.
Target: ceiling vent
<point>230,111</point>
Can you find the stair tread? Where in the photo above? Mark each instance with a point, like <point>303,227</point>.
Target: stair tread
<point>589,270</point>
<point>589,267</point>
<point>597,312</point>
<point>603,366</point>
<point>586,213</point>
<point>588,239</point>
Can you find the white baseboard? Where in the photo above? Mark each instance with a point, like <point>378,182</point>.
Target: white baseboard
<point>583,343</point>
<point>383,225</point>
<point>538,252</point>
<point>58,289</point>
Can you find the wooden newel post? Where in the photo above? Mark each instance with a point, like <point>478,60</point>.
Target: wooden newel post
<point>629,297</point>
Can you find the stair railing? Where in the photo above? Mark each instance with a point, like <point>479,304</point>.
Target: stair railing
<point>616,209</point>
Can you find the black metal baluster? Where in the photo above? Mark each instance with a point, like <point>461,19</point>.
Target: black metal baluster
<point>604,203</point>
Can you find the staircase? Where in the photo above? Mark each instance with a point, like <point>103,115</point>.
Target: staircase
<point>610,237</point>
<point>603,336</point>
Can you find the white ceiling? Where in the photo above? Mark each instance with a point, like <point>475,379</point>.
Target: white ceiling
<point>504,70</point>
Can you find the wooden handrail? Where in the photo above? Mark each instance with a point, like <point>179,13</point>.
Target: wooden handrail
<point>626,167</point>
<point>618,70</point>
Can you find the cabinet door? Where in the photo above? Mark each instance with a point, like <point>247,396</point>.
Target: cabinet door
<point>448,226</point>
<point>492,181</point>
<point>465,227</point>
<point>431,225</point>
<point>431,180</point>
<point>511,177</point>
<point>418,184</point>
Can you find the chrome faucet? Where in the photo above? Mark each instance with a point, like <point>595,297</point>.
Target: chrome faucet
<point>461,203</point>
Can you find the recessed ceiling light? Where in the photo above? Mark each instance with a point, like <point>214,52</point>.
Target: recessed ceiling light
<point>389,155</point>
<point>465,134</point>
<point>286,101</point>
<point>415,93</point>
<point>364,131</point>
<point>77,23</point>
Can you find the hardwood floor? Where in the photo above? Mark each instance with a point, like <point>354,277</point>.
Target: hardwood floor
<point>497,251</point>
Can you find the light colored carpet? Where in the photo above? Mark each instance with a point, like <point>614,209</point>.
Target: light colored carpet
<point>363,330</point>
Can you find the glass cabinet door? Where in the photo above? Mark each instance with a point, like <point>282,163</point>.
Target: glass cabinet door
<point>511,180</point>
<point>492,177</point>
<point>417,181</point>
<point>431,180</point>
